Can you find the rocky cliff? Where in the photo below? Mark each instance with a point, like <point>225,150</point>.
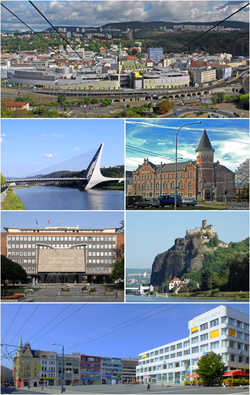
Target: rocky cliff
<point>185,256</point>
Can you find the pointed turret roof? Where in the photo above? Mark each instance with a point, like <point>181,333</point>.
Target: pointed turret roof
<point>204,143</point>
<point>20,345</point>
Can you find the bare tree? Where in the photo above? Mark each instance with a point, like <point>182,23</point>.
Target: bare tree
<point>242,173</point>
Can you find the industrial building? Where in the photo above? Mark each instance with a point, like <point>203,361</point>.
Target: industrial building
<point>222,330</point>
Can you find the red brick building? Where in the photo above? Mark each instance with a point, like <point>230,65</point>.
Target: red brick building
<point>202,179</point>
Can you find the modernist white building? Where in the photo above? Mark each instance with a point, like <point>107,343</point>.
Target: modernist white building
<point>222,330</point>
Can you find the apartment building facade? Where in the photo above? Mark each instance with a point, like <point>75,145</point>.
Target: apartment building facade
<point>74,254</point>
<point>222,330</point>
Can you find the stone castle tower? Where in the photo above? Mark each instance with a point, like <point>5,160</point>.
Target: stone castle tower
<point>203,229</point>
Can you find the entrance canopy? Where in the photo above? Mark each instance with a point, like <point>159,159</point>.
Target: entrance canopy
<point>236,373</point>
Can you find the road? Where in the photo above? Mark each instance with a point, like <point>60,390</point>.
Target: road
<point>185,110</point>
<point>130,390</point>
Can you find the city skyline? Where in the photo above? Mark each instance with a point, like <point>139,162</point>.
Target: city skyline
<point>50,142</point>
<point>155,140</point>
<point>151,233</point>
<point>71,13</point>
<point>126,333</point>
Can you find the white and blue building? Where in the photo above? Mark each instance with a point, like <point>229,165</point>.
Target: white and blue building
<point>222,330</point>
<point>155,54</point>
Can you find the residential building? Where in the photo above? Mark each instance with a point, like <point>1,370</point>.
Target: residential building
<point>155,54</point>
<point>26,367</point>
<point>202,179</point>
<point>222,330</point>
<point>78,254</point>
<point>69,367</point>
<point>129,369</point>
<point>90,369</point>
<point>48,367</point>
<point>111,367</point>
<point>17,105</point>
<point>202,77</point>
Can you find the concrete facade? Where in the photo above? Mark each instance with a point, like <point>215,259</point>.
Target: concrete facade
<point>222,330</point>
<point>85,254</point>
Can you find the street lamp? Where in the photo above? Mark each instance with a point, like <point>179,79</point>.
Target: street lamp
<point>62,377</point>
<point>186,124</point>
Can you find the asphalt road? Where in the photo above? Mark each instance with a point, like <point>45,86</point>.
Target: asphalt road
<point>181,111</point>
<point>130,390</point>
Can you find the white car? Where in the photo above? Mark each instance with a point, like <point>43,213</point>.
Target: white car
<point>188,202</point>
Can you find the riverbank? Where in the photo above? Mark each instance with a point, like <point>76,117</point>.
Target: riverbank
<point>208,295</point>
<point>12,202</point>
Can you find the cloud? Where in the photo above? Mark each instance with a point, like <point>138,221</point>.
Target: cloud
<point>37,163</point>
<point>58,135</point>
<point>56,154</point>
<point>97,13</point>
<point>3,134</point>
<point>47,155</point>
<point>77,149</point>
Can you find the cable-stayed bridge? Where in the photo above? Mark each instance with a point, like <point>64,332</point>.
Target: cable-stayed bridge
<point>91,177</point>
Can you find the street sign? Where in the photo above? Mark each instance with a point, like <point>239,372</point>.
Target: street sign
<point>62,377</point>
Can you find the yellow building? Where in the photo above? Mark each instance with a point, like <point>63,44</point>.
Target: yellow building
<point>25,367</point>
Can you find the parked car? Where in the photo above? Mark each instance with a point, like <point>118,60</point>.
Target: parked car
<point>169,200</point>
<point>147,202</point>
<point>189,202</point>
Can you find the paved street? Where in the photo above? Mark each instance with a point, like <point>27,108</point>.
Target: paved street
<point>130,390</point>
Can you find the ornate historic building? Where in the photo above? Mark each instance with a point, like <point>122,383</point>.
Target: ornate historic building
<point>202,179</point>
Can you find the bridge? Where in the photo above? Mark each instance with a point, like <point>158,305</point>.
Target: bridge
<point>92,175</point>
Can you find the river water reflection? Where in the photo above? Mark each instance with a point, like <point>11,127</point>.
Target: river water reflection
<point>56,198</point>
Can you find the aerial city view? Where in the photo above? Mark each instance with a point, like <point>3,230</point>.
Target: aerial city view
<point>124,197</point>
<point>170,67</point>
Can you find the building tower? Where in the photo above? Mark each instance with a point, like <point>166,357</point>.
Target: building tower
<point>20,347</point>
<point>205,167</point>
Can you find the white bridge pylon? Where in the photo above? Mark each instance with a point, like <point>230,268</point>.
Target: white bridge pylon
<point>92,176</point>
<point>93,172</point>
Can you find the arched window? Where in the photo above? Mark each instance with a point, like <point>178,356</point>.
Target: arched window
<point>190,185</point>
<point>172,175</point>
<point>135,178</point>
<point>151,186</point>
<point>181,185</point>
<point>157,185</point>
<point>200,184</point>
<point>172,185</point>
<point>145,185</point>
<point>165,186</point>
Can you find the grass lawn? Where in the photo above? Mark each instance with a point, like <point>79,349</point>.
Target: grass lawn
<point>12,202</point>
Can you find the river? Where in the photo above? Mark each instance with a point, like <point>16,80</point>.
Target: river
<point>146,299</point>
<point>56,198</point>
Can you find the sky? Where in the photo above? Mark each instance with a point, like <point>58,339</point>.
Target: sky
<point>85,220</point>
<point>151,233</point>
<point>229,138</point>
<point>134,326</point>
<point>29,146</point>
<point>97,13</point>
